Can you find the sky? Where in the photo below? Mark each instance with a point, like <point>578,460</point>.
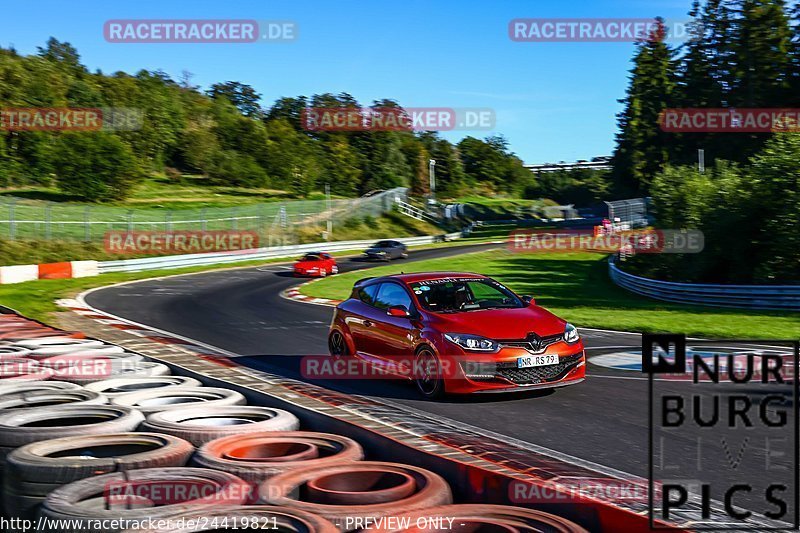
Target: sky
<point>552,101</point>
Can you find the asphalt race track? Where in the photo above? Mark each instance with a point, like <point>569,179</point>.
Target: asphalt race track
<point>603,420</point>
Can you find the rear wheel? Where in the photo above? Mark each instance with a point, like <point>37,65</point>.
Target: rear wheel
<point>334,269</point>
<point>428,372</point>
<point>337,345</point>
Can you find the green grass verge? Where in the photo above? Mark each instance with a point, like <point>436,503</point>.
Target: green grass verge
<point>576,287</point>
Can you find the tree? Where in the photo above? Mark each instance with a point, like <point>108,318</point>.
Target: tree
<point>702,76</point>
<point>450,178</point>
<point>761,46</point>
<point>95,166</point>
<point>794,81</point>
<point>642,147</point>
<point>61,53</point>
<point>243,96</point>
<point>490,164</point>
<point>774,182</point>
<point>289,109</point>
<point>341,167</point>
<point>292,160</point>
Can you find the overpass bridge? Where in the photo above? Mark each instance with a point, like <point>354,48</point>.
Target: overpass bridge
<point>596,163</point>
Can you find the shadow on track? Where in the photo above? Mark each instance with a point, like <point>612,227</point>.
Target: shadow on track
<point>290,366</point>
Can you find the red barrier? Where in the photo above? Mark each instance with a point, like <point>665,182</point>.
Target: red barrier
<point>55,270</point>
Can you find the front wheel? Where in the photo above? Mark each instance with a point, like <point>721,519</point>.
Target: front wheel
<point>429,374</point>
<point>334,269</point>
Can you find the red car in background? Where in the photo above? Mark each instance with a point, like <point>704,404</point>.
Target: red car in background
<point>453,332</point>
<point>316,264</point>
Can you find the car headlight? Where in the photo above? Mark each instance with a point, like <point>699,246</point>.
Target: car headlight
<point>571,334</point>
<point>472,343</point>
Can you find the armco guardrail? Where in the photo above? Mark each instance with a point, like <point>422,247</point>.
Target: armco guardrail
<point>186,260</point>
<point>777,297</point>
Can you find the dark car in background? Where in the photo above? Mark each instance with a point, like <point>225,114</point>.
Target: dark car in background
<point>386,251</point>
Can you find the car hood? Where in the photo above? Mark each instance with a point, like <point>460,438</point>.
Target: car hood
<point>501,323</point>
<point>376,250</point>
<point>307,264</point>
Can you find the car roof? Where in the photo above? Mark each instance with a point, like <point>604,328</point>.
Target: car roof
<point>428,276</point>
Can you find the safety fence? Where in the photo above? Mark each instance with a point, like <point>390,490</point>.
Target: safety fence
<point>776,297</point>
<point>76,269</point>
<point>186,260</point>
<point>30,219</point>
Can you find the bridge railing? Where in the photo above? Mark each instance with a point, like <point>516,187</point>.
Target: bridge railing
<point>776,297</point>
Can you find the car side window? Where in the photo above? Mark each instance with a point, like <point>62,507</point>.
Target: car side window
<point>367,294</point>
<point>392,294</point>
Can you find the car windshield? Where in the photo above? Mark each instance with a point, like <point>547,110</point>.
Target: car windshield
<point>465,294</point>
<point>311,257</point>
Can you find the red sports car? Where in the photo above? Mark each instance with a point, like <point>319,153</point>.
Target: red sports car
<point>453,332</point>
<point>316,264</point>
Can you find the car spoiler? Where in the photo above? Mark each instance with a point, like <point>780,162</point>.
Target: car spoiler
<point>363,280</point>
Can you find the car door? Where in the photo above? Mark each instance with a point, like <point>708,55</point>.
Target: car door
<point>395,250</point>
<point>391,338</point>
<point>362,319</point>
<point>328,263</point>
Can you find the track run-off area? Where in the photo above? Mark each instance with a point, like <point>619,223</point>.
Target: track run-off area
<point>602,421</point>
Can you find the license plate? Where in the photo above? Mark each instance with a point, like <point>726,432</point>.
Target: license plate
<point>536,360</point>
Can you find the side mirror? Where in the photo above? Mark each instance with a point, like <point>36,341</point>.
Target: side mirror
<point>528,300</point>
<point>399,311</point>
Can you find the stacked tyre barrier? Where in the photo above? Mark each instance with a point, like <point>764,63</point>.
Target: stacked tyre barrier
<point>133,448</point>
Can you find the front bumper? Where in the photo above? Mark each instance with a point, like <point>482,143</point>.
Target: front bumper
<point>499,373</point>
<point>375,256</point>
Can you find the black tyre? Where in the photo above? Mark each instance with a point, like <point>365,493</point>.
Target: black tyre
<point>428,374</point>
<point>35,470</point>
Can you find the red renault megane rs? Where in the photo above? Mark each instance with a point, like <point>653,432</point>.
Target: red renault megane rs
<point>453,332</point>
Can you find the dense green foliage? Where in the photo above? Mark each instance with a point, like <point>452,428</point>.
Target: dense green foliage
<point>748,213</point>
<point>742,53</point>
<point>223,133</point>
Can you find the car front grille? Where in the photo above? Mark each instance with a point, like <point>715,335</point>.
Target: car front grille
<point>533,344</point>
<point>538,374</point>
